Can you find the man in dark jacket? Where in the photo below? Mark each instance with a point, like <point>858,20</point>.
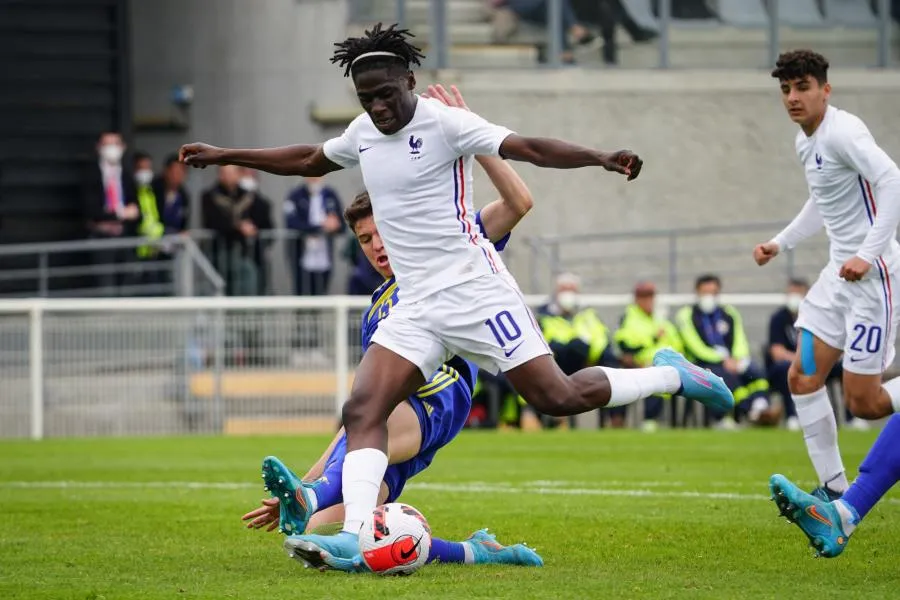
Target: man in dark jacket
<point>236,215</point>
<point>109,198</point>
<point>314,210</point>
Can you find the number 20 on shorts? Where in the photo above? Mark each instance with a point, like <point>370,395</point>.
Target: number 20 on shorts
<point>866,339</point>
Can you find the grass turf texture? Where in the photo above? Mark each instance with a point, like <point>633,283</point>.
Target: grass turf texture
<point>612,513</point>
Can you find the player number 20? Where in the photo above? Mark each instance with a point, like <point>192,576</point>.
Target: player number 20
<point>872,337</point>
<point>504,324</point>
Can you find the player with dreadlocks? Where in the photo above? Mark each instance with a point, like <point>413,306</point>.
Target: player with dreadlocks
<point>457,296</point>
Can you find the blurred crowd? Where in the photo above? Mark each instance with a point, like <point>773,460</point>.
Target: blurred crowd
<point>582,20</point>
<point>711,334</point>
<point>130,197</point>
<point>126,195</point>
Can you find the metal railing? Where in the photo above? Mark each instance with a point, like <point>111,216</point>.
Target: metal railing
<point>160,366</point>
<point>170,265</point>
<point>672,258</point>
<point>435,18</point>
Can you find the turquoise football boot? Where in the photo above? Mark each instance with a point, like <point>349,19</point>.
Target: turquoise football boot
<point>312,550</point>
<point>292,494</point>
<point>697,384</point>
<point>819,520</point>
<point>487,550</point>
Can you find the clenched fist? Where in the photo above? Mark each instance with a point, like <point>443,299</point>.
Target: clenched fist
<point>200,155</point>
<point>763,253</point>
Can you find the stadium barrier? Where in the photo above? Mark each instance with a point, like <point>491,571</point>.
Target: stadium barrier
<point>212,365</point>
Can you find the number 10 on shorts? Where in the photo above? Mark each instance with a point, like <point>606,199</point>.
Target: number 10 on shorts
<point>504,328</point>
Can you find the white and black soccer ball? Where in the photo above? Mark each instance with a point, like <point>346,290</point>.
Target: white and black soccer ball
<point>395,540</point>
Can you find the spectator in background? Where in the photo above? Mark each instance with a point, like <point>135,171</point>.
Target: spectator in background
<point>172,200</point>
<point>641,335</point>
<point>236,215</point>
<point>261,216</point>
<point>714,338</point>
<point>782,348</point>
<point>607,14</point>
<point>110,205</point>
<point>149,226</point>
<point>535,11</point>
<point>314,210</point>
<point>577,336</point>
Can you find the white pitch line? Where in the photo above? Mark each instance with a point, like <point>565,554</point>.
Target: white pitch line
<point>462,487</point>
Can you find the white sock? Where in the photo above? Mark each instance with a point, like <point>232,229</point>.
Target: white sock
<point>470,554</point>
<point>363,471</point>
<point>892,387</point>
<point>848,521</point>
<point>820,434</point>
<point>630,385</point>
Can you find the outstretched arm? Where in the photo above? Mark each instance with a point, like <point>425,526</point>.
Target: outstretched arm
<point>557,154</point>
<point>472,135</point>
<point>300,159</point>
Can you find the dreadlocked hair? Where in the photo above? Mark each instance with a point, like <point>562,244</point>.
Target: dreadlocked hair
<point>391,40</point>
<point>797,64</point>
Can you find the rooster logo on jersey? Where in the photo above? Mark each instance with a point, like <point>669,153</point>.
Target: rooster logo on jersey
<point>414,144</point>
<point>819,161</point>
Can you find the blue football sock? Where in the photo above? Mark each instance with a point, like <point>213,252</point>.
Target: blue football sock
<point>879,471</point>
<point>446,552</point>
<point>329,488</point>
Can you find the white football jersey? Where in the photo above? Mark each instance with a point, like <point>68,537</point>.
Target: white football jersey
<point>844,169</point>
<point>420,183</point>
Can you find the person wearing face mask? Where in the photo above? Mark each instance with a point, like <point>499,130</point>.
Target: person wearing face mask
<point>150,226</point>
<point>314,210</point>
<point>109,198</point>
<point>714,338</point>
<point>172,200</point>
<point>641,334</point>
<point>782,349</point>
<point>236,212</point>
<point>577,336</point>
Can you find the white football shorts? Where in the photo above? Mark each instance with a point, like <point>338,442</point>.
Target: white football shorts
<point>858,317</point>
<point>485,320</point>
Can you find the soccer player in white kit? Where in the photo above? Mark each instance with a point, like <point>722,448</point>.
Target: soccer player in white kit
<point>852,308</point>
<point>416,154</point>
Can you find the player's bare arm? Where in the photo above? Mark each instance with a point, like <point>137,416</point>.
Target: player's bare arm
<point>502,215</point>
<point>557,154</point>
<point>299,159</point>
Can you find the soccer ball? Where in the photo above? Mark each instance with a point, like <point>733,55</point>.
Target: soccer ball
<point>395,540</point>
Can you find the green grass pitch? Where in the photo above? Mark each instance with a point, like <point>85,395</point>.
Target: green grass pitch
<point>621,514</point>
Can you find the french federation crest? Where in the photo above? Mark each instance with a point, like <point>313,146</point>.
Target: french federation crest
<point>414,144</point>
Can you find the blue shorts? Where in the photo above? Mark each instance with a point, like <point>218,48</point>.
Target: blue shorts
<point>441,417</point>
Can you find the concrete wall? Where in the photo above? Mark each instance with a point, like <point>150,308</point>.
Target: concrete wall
<point>256,67</point>
<point>718,147</point>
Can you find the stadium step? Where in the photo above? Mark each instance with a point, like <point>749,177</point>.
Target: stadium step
<point>266,383</point>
